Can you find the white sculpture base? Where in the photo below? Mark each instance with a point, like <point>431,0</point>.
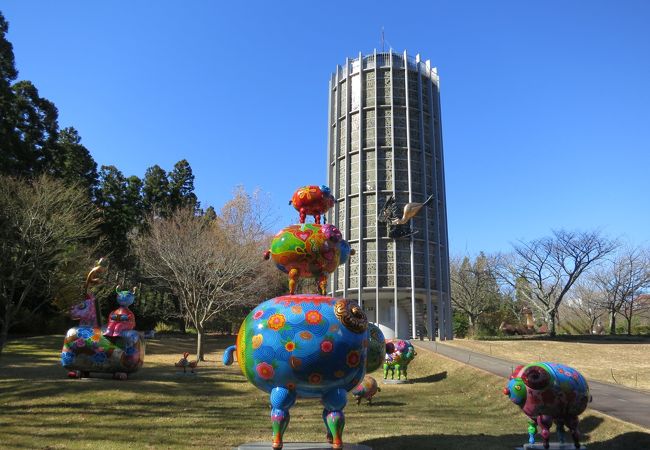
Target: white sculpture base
<point>389,381</point>
<point>552,446</point>
<point>300,446</point>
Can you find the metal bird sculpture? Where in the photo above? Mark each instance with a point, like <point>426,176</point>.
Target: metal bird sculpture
<point>397,227</point>
<point>410,211</point>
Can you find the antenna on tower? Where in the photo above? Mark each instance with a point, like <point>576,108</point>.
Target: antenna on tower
<point>382,39</point>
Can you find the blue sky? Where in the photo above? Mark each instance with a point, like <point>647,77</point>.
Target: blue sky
<point>545,105</point>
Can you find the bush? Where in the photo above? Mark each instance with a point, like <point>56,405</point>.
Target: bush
<point>162,328</point>
<point>461,325</point>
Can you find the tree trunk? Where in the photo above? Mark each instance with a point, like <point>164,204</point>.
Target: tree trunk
<point>612,321</point>
<point>550,318</point>
<point>199,343</point>
<point>4,328</point>
<point>629,326</point>
<point>4,334</point>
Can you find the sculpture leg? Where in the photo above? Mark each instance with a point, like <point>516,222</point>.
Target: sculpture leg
<point>303,215</point>
<point>293,277</point>
<point>545,422</point>
<point>404,372</point>
<point>399,371</point>
<point>573,427</point>
<point>559,424</point>
<point>334,402</point>
<point>385,371</point>
<point>532,430</point>
<point>328,436</point>
<point>317,219</point>
<point>322,283</point>
<point>281,400</point>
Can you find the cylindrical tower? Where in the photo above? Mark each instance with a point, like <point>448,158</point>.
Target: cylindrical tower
<point>385,140</point>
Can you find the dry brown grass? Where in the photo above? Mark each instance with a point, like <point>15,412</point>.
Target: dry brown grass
<point>622,362</point>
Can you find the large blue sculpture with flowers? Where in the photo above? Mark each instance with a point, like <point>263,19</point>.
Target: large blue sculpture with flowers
<point>305,346</point>
<point>117,349</point>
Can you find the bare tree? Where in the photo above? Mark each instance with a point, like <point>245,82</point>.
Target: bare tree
<point>46,233</point>
<point>586,306</point>
<point>474,288</point>
<point>622,279</point>
<point>551,266</point>
<point>209,264</point>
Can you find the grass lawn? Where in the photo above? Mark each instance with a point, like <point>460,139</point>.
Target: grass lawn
<point>625,362</point>
<point>448,406</point>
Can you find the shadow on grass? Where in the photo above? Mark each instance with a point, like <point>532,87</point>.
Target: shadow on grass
<point>627,441</point>
<point>385,403</point>
<point>433,378</point>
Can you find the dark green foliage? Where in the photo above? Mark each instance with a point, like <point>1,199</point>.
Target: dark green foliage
<point>181,186</point>
<point>155,191</point>
<point>72,162</point>
<point>120,202</point>
<point>461,324</point>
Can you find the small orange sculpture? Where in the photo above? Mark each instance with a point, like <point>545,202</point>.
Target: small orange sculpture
<point>185,363</point>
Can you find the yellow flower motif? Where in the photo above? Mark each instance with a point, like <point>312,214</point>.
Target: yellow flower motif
<point>276,321</point>
<point>257,340</point>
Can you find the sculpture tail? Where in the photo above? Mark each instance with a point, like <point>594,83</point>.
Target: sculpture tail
<point>228,355</point>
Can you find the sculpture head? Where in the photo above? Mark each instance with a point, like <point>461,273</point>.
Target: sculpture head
<point>125,298</point>
<point>85,311</point>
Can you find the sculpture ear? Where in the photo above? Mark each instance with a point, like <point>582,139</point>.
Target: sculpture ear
<point>536,377</point>
<point>516,371</point>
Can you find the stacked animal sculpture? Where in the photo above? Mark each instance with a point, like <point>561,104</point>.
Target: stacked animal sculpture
<point>366,389</point>
<point>309,250</point>
<point>312,201</point>
<point>547,393</point>
<point>399,354</point>
<point>307,345</point>
<point>116,349</point>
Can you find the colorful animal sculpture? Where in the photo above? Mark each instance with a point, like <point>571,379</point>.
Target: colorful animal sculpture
<point>89,348</point>
<point>308,250</point>
<point>122,319</point>
<point>304,346</point>
<point>186,363</point>
<point>547,392</point>
<point>85,312</point>
<point>366,389</point>
<point>312,201</point>
<point>399,354</point>
<point>376,348</point>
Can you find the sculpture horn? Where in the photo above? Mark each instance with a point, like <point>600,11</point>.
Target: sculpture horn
<point>92,277</point>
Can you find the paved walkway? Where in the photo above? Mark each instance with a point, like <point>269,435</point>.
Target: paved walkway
<point>629,405</point>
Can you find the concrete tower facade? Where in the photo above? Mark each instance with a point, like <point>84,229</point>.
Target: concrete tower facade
<point>385,140</point>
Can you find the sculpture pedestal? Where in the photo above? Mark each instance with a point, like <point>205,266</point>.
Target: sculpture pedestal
<point>552,446</point>
<point>300,446</point>
<point>389,381</point>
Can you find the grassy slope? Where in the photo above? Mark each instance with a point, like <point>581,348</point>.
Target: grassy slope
<point>628,361</point>
<point>449,406</point>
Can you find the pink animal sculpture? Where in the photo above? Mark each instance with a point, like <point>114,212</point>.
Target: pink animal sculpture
<point>85,312</point>
<point>121,319</point>
<point>366,389</point>
<point>312,201</point>
<point>549,392</point>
